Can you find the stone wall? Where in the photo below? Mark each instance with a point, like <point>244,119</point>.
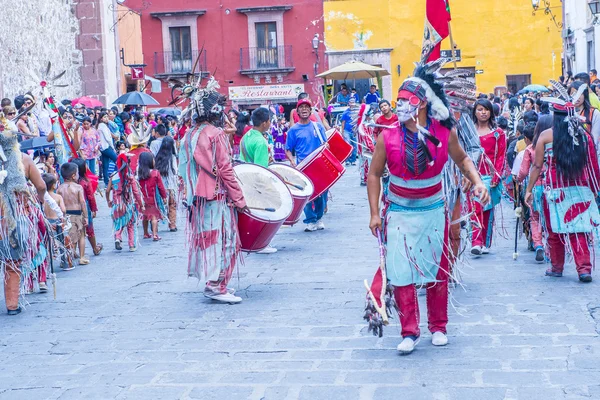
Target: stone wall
<point>33,32</point>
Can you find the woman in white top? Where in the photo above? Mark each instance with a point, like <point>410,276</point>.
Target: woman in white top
<point>107,145</point>
<point>166,163</point>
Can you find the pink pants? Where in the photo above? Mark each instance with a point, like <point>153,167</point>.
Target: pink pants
<point>481,224</point>
<point>437,301</point>
<point>130,233</point>
<point>579,245</point>
<point>536,229</point>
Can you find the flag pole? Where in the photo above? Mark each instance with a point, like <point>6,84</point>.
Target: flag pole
<point>452,45</point>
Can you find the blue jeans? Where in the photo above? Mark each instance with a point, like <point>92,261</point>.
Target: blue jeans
<point>313,215</point>
<point>351,138</point>
<point>107,156</point>
<point>91,165</point>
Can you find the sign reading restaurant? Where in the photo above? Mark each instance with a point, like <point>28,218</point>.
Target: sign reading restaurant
<point>266,92</point>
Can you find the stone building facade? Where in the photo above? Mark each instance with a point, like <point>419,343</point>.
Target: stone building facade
<point>77,36</point>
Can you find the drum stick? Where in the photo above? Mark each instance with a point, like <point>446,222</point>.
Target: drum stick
<point>287,182</point>
<point>263,209</point>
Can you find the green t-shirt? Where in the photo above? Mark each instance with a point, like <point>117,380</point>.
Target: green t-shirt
<point>254,148</point>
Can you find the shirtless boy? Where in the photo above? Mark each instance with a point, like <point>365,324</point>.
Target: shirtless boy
<point>76,208</point>
<point>54,209</point>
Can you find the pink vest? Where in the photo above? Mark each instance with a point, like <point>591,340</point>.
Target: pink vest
<point>405,188</point>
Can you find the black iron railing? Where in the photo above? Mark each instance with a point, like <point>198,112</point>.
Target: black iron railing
<point>172,62</point>
<point>257,58</point>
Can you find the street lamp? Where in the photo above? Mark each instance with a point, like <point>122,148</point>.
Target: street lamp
<point>315,46</point>
<point>594,7</point>
<point>548,10</point>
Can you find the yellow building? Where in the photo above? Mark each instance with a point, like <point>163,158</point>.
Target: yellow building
<point>500,39</point>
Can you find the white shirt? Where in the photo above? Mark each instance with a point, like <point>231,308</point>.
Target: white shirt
<point>106,139</point>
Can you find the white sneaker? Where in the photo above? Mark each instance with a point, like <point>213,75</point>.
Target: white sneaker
<point>439,339</point>
<point>320,225</point>
<point>224,297</point>
<point>407,346</point>
<point>43,287</point>
<point>267,250</point>
<point>485,250</point>
<point>476,250</point>
<point>310,227</point>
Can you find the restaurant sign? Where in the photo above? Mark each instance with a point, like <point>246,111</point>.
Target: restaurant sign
<point>265,92</point>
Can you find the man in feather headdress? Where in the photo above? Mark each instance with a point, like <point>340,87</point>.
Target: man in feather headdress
<point>415,220</point>
<point>20,215</point>
<point>212,195</point>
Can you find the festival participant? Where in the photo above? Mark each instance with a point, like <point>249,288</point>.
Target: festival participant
<point>54,209</point>
<point>212,196</point>
<point>138,142</point>
<point>349,118</point>
<point>372,97</point>
<point>90,202</point>
<point>491,167</point>
<point>242,126</point>
<point>589,113</point>
<point>544,123</point>
<point>387,117</point>
<point>568,153</point>
<point>16,205</point>
<point>315,116</point>
<point>254,148</point>
<point>415,221</point>
<point>279,133</point>
<point>161,132</point>
<point>302,139</point>
<point>592,98</point>
<point>107,144</point>
<point>90,143</point>
<point>154,194</point>
<point>166,164</point>
<point>366,140</point>
<point>76,208</point>
<point>126,202</point>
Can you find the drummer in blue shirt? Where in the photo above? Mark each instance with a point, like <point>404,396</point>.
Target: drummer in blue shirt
<point>302,139</point>
<point>372,96</point>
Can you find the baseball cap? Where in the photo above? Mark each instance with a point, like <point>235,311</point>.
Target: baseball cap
<point>304,101</point>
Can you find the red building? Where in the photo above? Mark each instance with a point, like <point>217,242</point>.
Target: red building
<point>259,54</point>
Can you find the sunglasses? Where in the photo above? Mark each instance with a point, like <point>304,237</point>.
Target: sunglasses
<point>11,113</point>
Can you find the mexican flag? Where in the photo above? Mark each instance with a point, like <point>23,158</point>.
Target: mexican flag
<point>437,17</point>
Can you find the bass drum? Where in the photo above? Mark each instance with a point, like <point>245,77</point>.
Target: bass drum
<point>270,203</point>
<point>323,169</point>
<point>300,186</point>
<point>338,145</point>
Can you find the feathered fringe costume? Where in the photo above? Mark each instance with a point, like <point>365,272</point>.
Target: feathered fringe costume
<point>212,233</point>
<point>365,137</point>
<point>570,214</point>
<point>491,168</point>
<point>23,227</point>
<point>127,202</point>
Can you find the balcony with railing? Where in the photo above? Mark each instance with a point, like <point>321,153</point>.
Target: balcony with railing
<point>178,64</point>
<point>261,60</point>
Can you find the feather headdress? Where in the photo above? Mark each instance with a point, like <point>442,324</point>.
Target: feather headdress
<point>562,102</point>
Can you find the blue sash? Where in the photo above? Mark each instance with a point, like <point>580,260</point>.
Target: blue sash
<point>572,209</point>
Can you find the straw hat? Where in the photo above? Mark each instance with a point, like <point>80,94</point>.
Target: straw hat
<point>135,139</point>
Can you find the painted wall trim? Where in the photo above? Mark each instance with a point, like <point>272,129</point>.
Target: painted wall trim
<point>248,10</point>
<point>358,51</point>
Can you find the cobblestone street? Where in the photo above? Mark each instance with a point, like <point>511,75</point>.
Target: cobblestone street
<point>133,326</point>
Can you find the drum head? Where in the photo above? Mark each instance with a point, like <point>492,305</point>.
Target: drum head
<point>264,190</point>
<point>310,157</point>
<point>296,181</point>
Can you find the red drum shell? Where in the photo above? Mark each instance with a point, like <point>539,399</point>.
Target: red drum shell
<point>323,169</point>
<point>338,145</point>
<point>255,232</point>
<point>300,201</point>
